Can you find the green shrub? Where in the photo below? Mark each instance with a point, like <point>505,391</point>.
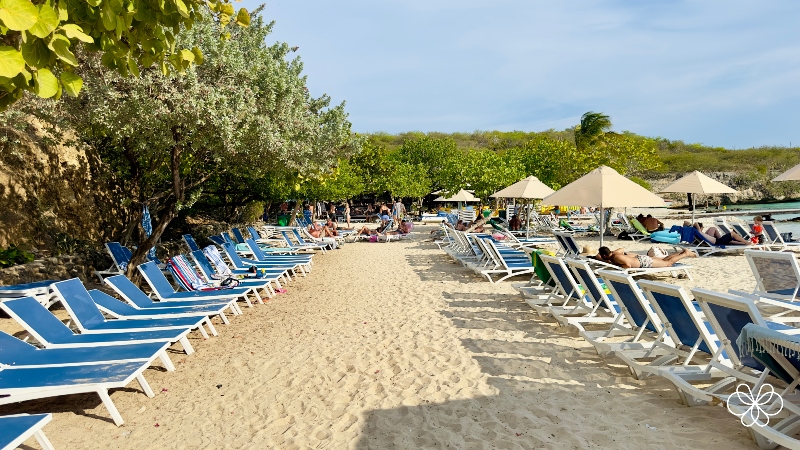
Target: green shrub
<point>13,256</point>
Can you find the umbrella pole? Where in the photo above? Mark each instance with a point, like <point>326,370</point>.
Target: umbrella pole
<point>602,221</point>
<point>528,221</point>
<point>693,208</point>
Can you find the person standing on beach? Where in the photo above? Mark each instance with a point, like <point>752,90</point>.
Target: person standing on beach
<point>398,211</point>
<point>347,213</point>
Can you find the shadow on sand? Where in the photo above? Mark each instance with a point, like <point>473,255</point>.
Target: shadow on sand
<point>547,384</point>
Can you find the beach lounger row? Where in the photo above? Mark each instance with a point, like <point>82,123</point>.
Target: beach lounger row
<point>111,342</point>
<point>691,338</point>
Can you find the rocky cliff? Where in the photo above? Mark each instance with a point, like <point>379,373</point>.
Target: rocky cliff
<point>51,196</point>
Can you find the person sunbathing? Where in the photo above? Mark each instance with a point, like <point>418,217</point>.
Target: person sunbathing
<point>403,228</point>
<point>714,236</point>
<point>331,228</point>
<point>318,231</point>
<point>380,230</point>
<point>620,258</point>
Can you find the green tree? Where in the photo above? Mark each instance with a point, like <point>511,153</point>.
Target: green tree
<point>38,41</point>
<point>432,153</point>
<point>245,114</point>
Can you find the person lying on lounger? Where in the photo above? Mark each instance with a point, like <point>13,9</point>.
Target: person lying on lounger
<point>403,228</point>
<point>618,257</point>
<point>380,230</point>
<point>715,237</point>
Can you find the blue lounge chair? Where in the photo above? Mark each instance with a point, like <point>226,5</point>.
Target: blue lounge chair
<point>684,328</point>
<point>237,233</point>
<point>88,318</point>
<point>566,242</point>
<point>727,315</point>
<point>189,280</point>
<point>122,311</point>
<point>30,383</point>
<point>51,333</point>
<point>217,239</point>
<point>138,299</point>
<point>17,353</point>
<point>294,263</point>
<point>16,429</point>
<point>190,242</point>
<point>261,240</point>
<point>605,308</point>
<point>777,352</point>
<point>165,292</point>
<point>641,324</point>
<point>302,247</point>
<point>240,263</point>
<point>774,238</point>
<point>509,262</point>
<point>566,296</point>
<point>777,275</point>
<point>265,284</point>
<point>37,289</point>
<point>120,257</point>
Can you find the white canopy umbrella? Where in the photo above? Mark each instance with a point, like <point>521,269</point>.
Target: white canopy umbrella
<point>792,174</point>
<point>461,196</point>
<point>698,183</point>
<point>603,187</point>
<point>530,189</point>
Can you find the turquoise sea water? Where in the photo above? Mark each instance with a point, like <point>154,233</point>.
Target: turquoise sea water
<point>780,219</point>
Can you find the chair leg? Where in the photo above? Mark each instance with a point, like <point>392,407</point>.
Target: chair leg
<point>202,331</point>
<point>211,327</point>
<point>258,297</point>
<point>166,361</point>
<point>103,393</point>
<point>224,318</point>
<point>145,386</point>
<point>43,441</point>
<point>187,346</point>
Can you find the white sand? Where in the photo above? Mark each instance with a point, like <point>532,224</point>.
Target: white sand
<point>394,346</point>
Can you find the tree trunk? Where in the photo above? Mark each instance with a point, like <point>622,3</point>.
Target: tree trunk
<point>170,212</point>
<point>295,210</point>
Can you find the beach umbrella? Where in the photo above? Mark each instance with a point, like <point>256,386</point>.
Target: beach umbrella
<point>148,230</point>
<point>530,189</point>
<point>792,174</point>
<point>698,183</point>
<point>603,187</point>
<point>461,196</point>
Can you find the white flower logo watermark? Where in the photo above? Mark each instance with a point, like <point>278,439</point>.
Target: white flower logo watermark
<point>751,408</point>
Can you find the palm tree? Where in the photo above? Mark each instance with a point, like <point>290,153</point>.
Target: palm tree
<point>593,126</point>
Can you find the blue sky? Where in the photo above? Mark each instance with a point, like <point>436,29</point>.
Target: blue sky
<point>723,73</point>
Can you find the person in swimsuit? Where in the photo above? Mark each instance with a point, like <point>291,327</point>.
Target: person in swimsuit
<point>715,237</point>
<point>618,257</point>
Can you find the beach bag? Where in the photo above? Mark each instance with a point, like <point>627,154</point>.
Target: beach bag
<point>624,235</point>
<point>657,252</point>
<point>373,238</point>
<point>229,282</point>
<point>787,237</point>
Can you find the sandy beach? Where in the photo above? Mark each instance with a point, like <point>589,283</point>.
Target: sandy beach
<point>393,345</point>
